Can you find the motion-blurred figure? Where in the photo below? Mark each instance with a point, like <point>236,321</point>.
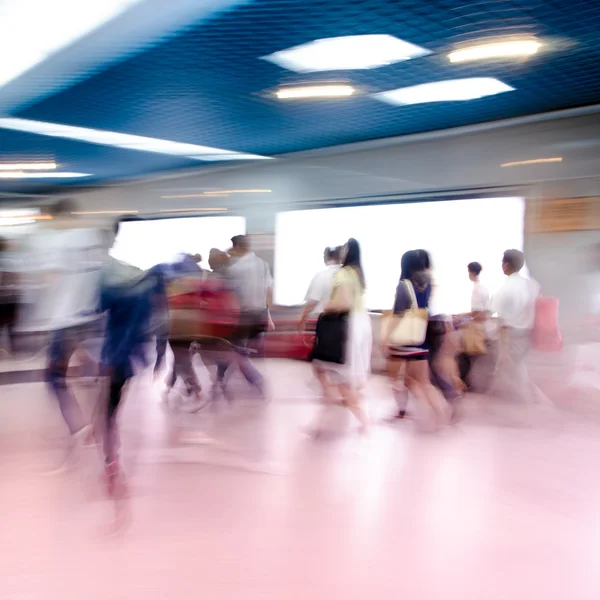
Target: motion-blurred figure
<point>349,377</point>
<point>250,279</point>
<point>475,324</point>
<point>319,291</point>
<point>9,295</point>
<point>182,278</point>
<point>514,304</point>
<point>414,276</point>
<point>127,298</point>
<point>67,261</point>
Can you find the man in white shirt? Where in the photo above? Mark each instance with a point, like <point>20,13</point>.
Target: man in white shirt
<point>514,305</point>
<point>65,261</point>
<point>480,297</point>
<point>250,278</point>
<point>319,290</point>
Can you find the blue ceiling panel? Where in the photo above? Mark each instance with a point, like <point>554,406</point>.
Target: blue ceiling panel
<point>209,86</point>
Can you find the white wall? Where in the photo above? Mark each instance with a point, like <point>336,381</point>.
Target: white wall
<point>467,159</point>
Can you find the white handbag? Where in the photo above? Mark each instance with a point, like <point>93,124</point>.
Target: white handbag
<point>412,327</point>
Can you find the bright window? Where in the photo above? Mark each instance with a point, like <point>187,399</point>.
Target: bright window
<point>454,232</point>
<point>150,242</point>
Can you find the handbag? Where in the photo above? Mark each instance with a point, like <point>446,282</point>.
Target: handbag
<point>411,330</point>
<point>473,339</point>
<point>330,338</point>
<point>546,335</point>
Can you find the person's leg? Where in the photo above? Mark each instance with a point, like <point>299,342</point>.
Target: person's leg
<point>351,399</point>
<point>62,347</point>
<point>525,391</point>
<point>115,392</point>
<point>115,483</point>
<point>249,371</point>
<point>419,383</point>
<point>183,360</point>
<point>395,368</point>
<point>329,399</point>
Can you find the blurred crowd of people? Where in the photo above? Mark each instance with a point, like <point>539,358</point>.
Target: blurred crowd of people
<point>430,357</point>
<point>66,287</point>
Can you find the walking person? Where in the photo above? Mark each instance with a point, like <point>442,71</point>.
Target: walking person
<point>348,374</point>
<point>9,295</point>
<point>66,260</point>
<point>319,291</point>
<point>250,278</point>
<point>127,297</point>
<point>514,304</point>
<point>413,292</point>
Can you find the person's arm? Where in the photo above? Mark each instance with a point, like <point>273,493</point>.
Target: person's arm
<point>269,297</point>
<point>313,295</point>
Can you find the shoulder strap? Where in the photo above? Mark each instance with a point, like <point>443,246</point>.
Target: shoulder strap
<point>411,293</point>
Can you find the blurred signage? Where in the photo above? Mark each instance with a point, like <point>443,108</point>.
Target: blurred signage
<point>562,214</point>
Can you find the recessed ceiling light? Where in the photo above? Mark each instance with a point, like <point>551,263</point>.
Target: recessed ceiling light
<point>105,212</point>
<point>51,26</point>
<point>27,166</point>
<point>533,161</point>
<point>180,210</point>
<point>124,140</point>
<point>315,91</point>
<point>496,50</point>
<point>213,193</point>
<point>445,91</point>
<point>346,53</point>
<point>38,175</point>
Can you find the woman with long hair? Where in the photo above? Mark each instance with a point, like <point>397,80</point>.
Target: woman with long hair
<point>347,298</point>
<point>415,276</point>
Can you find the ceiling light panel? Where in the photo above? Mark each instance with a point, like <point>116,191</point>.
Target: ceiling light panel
<point>533,161</point>
<point>346,53</point>
<point>126,141</point>
<point>315,91</point>
<point>49,26</point>
<point>45,166</point>
<point>40,175</point>
<point>509,49</point>
<point>445,91</point>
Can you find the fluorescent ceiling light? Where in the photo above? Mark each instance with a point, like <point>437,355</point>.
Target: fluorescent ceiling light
<point>534,161</point>
<point>346,53</point>
<point>498,50</point>
<point>445,91</point>
<point>124,140</point>
<point>49,26</point>
<point>316,91</point>
<point>27,166</point>
<point>179,210</point>
<point>217,193</point>
<point>49,175</point>
<point>105,212</point>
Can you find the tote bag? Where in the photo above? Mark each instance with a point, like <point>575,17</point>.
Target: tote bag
<point>412,327</point>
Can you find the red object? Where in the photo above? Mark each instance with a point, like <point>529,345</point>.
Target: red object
<point>203,308</point>
<point>546,332</point>
<point>286,342</point>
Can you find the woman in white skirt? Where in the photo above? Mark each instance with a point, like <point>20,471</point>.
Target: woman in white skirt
<point>348,379</point>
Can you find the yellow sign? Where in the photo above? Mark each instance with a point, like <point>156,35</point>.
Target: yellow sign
<point>562,214</point>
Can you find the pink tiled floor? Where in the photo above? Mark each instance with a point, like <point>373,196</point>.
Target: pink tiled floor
<point>484,510</point>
